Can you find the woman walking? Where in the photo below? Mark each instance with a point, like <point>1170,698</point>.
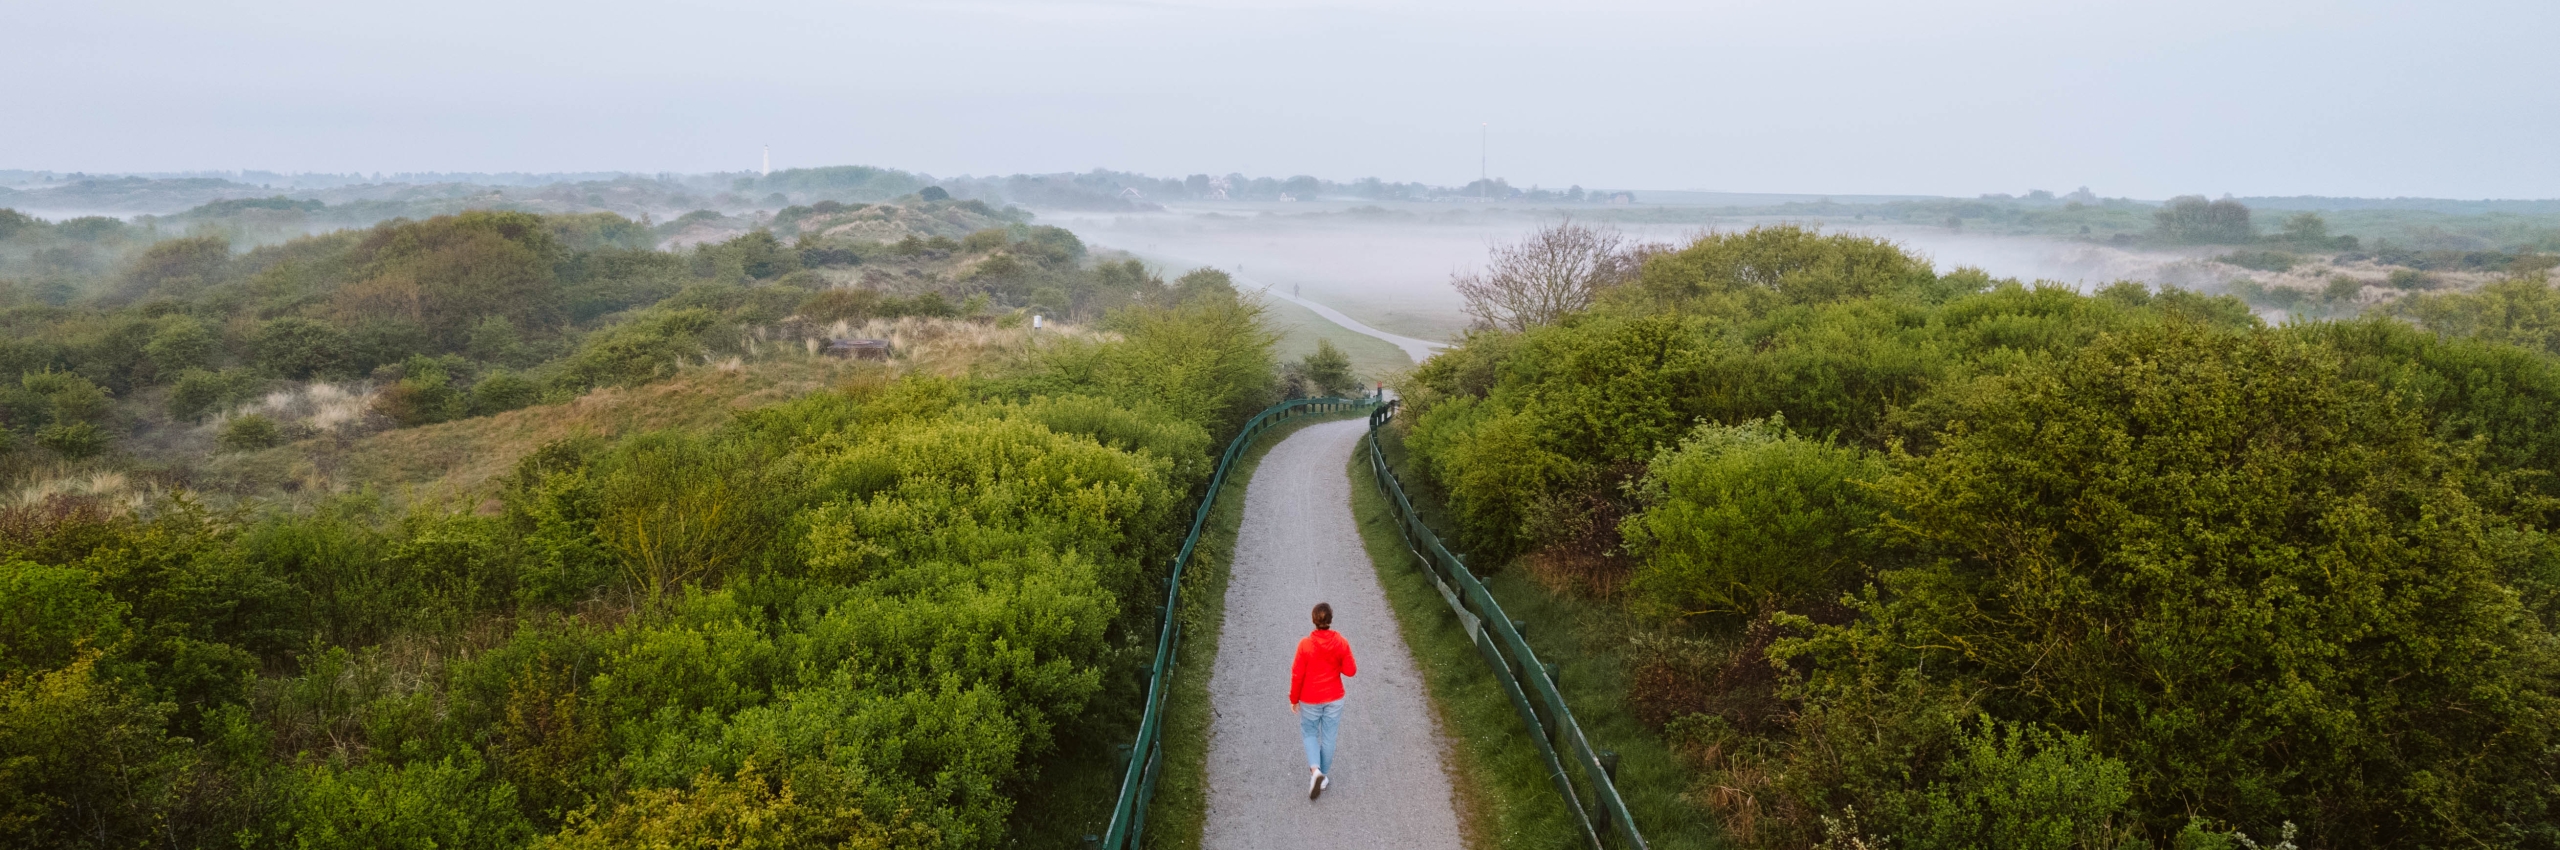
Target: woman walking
<point>1315,693</point>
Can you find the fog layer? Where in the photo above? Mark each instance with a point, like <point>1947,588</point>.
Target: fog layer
<point>1390,268</point>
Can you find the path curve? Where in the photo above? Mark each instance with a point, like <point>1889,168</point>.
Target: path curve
<point>1300,545</point>
<point>1418,349</point>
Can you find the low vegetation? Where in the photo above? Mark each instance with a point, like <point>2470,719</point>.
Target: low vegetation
<point>680,579</point>
<point>159,358</point>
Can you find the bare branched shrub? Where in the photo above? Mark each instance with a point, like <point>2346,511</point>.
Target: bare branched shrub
<point>1560,269</point>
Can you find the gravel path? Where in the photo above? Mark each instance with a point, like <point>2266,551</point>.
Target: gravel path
<point>1299,546</point>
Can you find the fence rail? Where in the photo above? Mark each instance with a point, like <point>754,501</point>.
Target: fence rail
<point>1138,781</point>
<point>1530,683</point>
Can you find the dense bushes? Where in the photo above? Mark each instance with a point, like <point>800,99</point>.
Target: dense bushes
<point>1767,267</point>
<point>2254,581</point>
<point>858,618</point>
<point>2021,567</point>
<point>1750,518</point>
<point>645,349</point>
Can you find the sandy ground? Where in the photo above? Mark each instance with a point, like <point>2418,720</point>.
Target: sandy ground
<point>1299,546</point>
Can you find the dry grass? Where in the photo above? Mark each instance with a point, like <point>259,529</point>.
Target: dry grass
<point>951,348</point>
<point>113,487</point>
<point>318,407</point>
<point>459,461</point>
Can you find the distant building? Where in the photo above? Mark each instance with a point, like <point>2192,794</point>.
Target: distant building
<point>1132,193</point>
<point>1621,199</point>
<point>1287,198</point>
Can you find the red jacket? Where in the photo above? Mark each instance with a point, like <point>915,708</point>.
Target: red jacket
<point>1323,659</point>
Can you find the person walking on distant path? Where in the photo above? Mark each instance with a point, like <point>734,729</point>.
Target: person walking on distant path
<point>1315,694</point>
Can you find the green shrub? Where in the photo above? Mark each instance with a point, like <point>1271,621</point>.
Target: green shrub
<point>181,343</point>
<point>748,811</point>
<point>677,509</point>
<point>194,394</point>
<point>1749,518</point>
<point>939,757</point>
<point>2190,219</point>
<point>376,342</point>
<point>447,803</point>
<point>648,348</point>
<point>52,616</point>
<point>175,268</point>
<point>1184,447</point>
<point>2017,786</point>
<point>25,410</point>
<point>2256,582</point>
<point>1207,360</point>
<point>73,398</point>
<point>553,510</point>
<point>755,255</point>
<point>300,349</point>
<point>2517,311</point>
<point>424,395</point>
<point>250,433</point>
<point>83,760</point>
<point>446,274</point>
<point>502,391</point>
<point>74,440</point>
<point>966,490</point>
<point>197,393</point>
<point>1759,269</point>
<point>1327,371</point>
<point>496,340</point>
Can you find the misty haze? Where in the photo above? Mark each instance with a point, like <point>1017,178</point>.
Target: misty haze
<point>1265,423</point>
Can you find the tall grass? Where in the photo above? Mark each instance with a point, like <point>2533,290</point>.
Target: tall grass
<point>313,408</point>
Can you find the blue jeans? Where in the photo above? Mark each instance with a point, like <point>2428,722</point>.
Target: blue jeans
<point>1318,724</point>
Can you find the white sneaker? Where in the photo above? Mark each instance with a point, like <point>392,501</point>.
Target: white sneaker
<point>1315,783</point>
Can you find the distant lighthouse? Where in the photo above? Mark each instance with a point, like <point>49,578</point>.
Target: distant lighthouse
<point>768,160</point>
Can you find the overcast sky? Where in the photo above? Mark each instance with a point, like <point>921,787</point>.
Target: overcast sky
<point>2145,99</point>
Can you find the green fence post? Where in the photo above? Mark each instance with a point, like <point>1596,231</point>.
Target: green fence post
<point>1530,682</point>
<point>1138,773</point>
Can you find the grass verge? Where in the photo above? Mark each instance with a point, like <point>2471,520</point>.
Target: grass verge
<point>1078,785</point>
<point>1502,783</point>
<point>1371,358</point>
